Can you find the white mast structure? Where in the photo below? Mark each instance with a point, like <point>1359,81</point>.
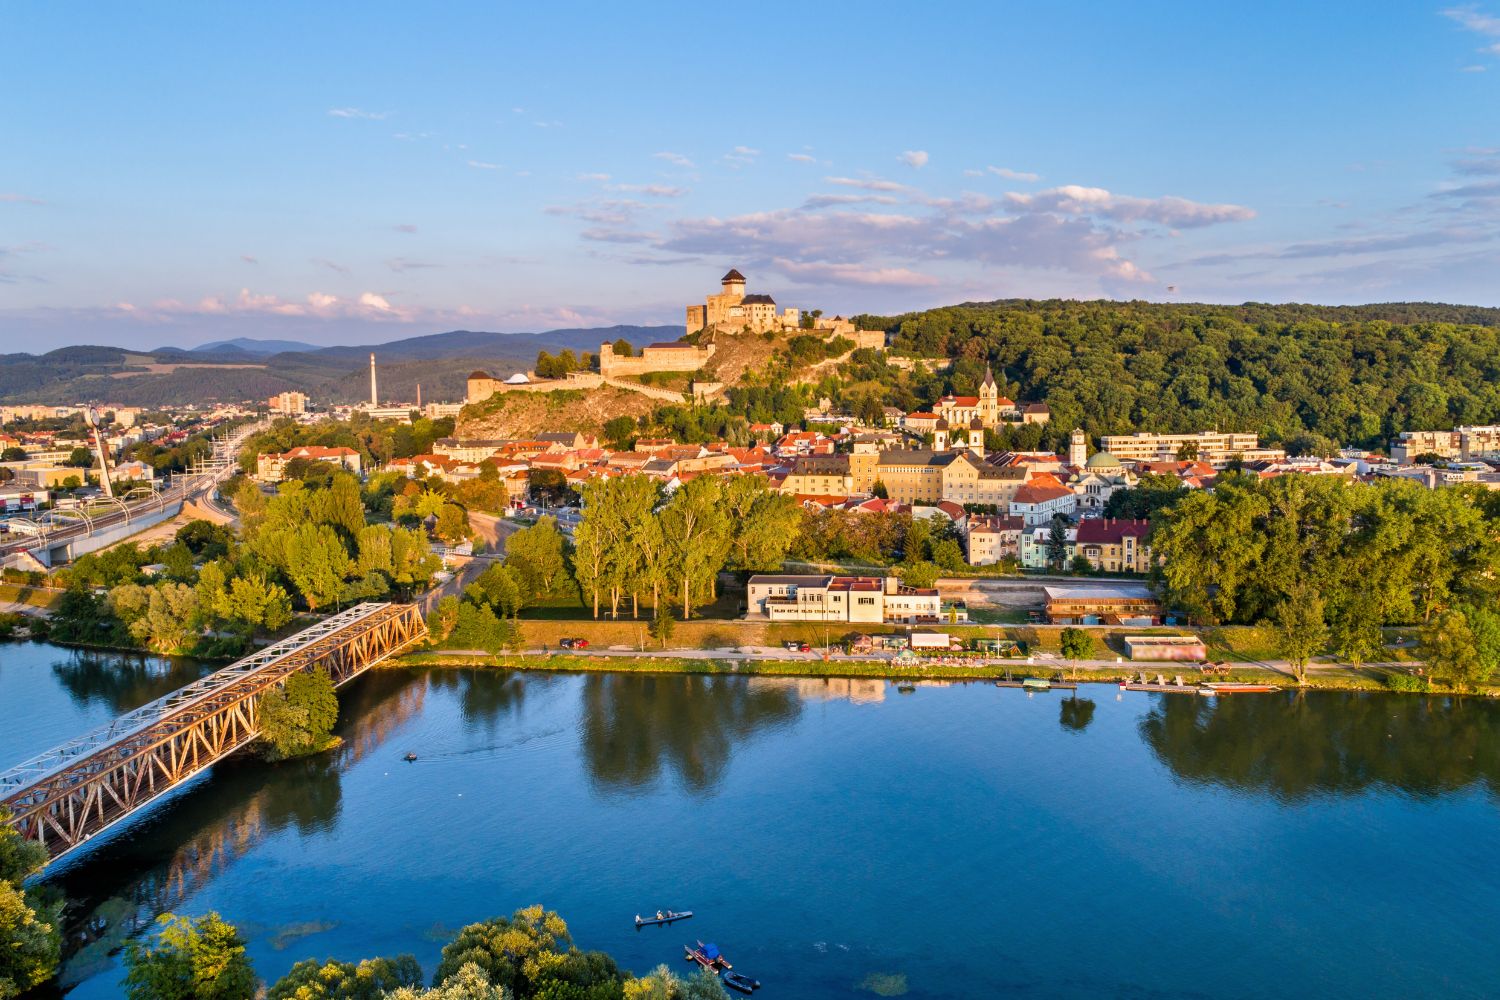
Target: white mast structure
<point>374,399</point>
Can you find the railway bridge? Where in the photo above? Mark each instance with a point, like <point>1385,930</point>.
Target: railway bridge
<point>72,793</point>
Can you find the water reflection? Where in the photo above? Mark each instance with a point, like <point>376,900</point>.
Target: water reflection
<point>124,681</point>
<point>633,725</point>
<point>189,841</point>
<point>489,698</point>
<point>1298,745</point>
<point>1074,714</point>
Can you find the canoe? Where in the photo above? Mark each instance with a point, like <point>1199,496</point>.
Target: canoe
<point>744,984</point>
<point>667,917</point>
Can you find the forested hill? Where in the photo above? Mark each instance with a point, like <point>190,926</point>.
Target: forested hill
<point>1309,375</point>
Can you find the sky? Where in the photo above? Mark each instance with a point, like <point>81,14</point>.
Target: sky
<point>172,174</point>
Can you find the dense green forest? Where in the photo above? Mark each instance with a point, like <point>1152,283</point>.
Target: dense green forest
<point>1352,375</point>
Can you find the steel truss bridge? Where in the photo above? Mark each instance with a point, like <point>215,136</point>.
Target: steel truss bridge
<point>74,792</point>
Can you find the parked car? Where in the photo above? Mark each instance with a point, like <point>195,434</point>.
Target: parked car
<point>575,644</point>
<point>797,647</point>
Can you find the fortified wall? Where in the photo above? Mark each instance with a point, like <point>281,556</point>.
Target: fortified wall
<point>673,357</point>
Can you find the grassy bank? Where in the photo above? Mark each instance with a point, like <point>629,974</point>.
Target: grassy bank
<point>36,597</point>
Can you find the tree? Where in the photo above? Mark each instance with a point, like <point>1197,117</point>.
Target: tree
<point>468,983</point>
<point>440,623</point>
<point>536,556</point>
<point>1301,630</point>
<point>297,718</point>
<point>202,959</point>
<point>919,574</point>
<point>531,955</point>
<point>1187,451</point>
<point>663,625</point>
<point>30,937</point>
<point>763,523</point>
<point>81,458</point>
<point>1057,543</point>
<point>1453,652</point>
<point>371,979</point>
<point>1077,643</point>
<point>947,554</point>
<point>623,348</point>
<point>13,454</point>
<point>698,530</point>
<point>618,432</point>
<point>205,539</point>
<point>452,523</point>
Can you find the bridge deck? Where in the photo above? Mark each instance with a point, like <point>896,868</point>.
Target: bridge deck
<point>73,792</point>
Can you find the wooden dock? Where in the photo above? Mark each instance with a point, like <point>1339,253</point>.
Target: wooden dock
<point>1052,685</point>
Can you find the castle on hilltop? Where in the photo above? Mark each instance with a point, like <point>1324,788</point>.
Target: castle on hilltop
<point>732,311</point>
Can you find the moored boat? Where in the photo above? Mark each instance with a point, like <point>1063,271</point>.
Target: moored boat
<point>744,984</point>
<point>1036,684</point>
<point>1237,687</point>
<point>662,917</point>
<point>708,956</point>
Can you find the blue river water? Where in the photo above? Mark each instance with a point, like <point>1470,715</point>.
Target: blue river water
<point>836,839</point>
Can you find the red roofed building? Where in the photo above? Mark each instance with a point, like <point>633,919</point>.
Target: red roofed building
<point>270,468</point>
<point>1042,499</point>
<point>1115,545</point>
<point>991,539</point>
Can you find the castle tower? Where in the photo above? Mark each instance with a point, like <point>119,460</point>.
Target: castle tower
<point>1078,449</point>
<point>374,399</point>
<point>733,284</point>
<point>976,437</point>
<point>940,435</point>
<point>989,399</point>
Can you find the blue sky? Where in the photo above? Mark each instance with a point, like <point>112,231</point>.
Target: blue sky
<point>172,174</point>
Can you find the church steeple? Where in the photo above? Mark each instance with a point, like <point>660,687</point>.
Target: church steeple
<point>989,377</point>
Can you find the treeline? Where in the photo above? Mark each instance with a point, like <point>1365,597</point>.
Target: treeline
<point>529,955</point>
<point>209,594</point>
<point>1330,563</point>
<point>1303,376</point>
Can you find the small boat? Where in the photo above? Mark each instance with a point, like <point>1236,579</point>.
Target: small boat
<point>662,917</point>
<point>735,981</point>
<point>1238,687</point>
<point>411,758</point>
<point>1036,684</point>
<point>708,956</point>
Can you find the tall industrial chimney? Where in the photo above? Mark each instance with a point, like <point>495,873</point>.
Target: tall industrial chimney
<point>419,395</point>
<point>374,399</point>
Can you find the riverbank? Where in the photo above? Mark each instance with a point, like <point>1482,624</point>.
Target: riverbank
<point>1332,677</point>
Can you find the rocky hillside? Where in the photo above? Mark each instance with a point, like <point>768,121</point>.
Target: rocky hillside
<point>522,414</point>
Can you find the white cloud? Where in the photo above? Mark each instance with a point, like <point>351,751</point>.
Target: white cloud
<point>481,165</point>
<point>1074,199</point>
<point>406,227</point>
<point>248,259</point>
<point>19,199</point>
<point>867,183</point>
<point>1013,175</point>
<point>1479,22</point>
<point>1472,69</point>
<point>813,272</point>
<point>593,177</point>
<point>973,173</point>
<point>829,200</point>
<point>374,116</point>
<point>677,159</point>
<point>651,190</point>
<point>746,151</point>
<point>801,158</point>
<point>914,158</point>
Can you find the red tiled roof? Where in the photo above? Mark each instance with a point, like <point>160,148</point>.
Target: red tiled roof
<point>1111,531</point>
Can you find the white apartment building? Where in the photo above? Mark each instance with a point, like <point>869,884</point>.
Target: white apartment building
<point>1213,447</point>
<point>869,600</point>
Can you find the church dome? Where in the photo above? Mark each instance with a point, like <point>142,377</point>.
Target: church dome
<point>1100,461</point>
<point>479,373</point>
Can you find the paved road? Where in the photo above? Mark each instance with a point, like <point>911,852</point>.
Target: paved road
<point>494,530</point>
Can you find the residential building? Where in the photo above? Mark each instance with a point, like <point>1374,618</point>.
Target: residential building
<point>1041,499</point>
<point>1213,447</point>
<point>1115,545</point>
<point>819,475</point>
<point>290,403</point>
<point>992,539</point>
<point>1036,546</point>
<point>864,599</point>
<point>270,468</point>
<point>1471,442</point>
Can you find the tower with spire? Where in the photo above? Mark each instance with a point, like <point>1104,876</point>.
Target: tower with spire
<point>989,398</point>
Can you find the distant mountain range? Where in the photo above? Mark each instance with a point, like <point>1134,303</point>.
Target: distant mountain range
<point>243,368</point>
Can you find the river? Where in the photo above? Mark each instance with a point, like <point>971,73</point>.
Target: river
<point>836,839</point>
